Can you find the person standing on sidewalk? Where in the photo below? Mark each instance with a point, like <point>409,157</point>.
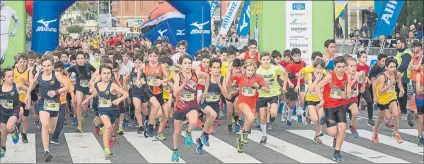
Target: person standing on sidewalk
<point>372,18</point>
<point>403,56</point>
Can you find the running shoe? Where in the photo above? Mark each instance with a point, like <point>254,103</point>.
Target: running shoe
<point>150,131</point>
<point>322,120</point>
<point>2,152</point>
<point>389,124</point>
<point>146,123</point>
<point>299,119</point>
<point>205,139</point>
<point>121,131</point>
<point>74,121</point>
<point>420,141</point>
<point>288,124</point>
<point>160,136</point>
<point>283,117</point>
<point>79,129</point>
<point>15,135</point>
<point>24,138</point>
<point>237,127</point>
<point>263,140</point>
<point>55,141</point>
<point>188,140</point>
<point>230,128</point>
<point>399,139</point>
<point>108,154</point>
<point>354,132</point>
<point>371,123</point>
<point>256,123</point>
<point>199,147</point>
<point>317,139</point>
<point>240,145</point>
<point>244,138</point>
<point>140,130</point>
<point>47,156</point>
<point>82,121</point>
<point>410,118</point>
<point>338,158</point>
<point>217,122</point>
<point>175,156</point>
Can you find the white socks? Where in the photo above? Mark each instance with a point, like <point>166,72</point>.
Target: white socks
<point>263,128</point>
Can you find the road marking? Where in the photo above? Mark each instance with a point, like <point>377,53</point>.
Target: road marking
<point>152,151</point>
<point>292,151</point>
<point>85,148</point>
<point>412,132</point>
<point>386,140</point>
<point>350,148</point>
<point>20,152</point>
<point>223,151</point>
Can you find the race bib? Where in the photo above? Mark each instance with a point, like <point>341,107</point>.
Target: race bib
<point>168,89</point>
<point>312,92</point>
<point>336,93</point>
<point>249,91</point>
<point>151,81</point>
<point>391,89</point>
<point>104,103</point>
<point>7,104</point>
<point>84,83</point>
<point>21,92</point>
<point>187,96</point>
<point>212,97</point>
<point>234,90</point>
<point>51,105</point>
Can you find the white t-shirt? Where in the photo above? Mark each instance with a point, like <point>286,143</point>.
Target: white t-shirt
<point>6,14</point>
<point>129,65</point>
<point>176,57</point>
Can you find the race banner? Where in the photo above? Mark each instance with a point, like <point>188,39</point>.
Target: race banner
<point>244,21</point>
<point>339,5</point>
<point>299,27</point>
<point>387,18</point>
<point>13,35</point>
<point>213,7</point>
<point>233,6</point>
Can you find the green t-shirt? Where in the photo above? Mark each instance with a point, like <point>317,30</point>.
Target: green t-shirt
<point>270,76</point>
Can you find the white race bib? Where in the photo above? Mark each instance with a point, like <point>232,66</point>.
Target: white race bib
<point>51,105</point>
<point>248,91</point>
<point>187,96</point>
<point>104,103</point>
<point>22,92</point>
<point>84,83</point>
<point>212,97</point>
<point>7,104</point>
<point>151,81</point>
<point>336,93</point>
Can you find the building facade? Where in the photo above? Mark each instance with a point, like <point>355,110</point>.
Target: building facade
<point>132,11</point>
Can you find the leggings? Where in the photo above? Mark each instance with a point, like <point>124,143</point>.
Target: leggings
<point>369,99</point>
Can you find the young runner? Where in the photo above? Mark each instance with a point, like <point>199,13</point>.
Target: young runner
<point>249,83</point>
<point>419,100</point>
<point>387,99</point>
<point>232,116</point>
<point>108,103</point>
<point>186,104</point>
<point>83,72</point>
<point>330,48</point>
<point>416,68</point>
<point>363,69</point>
<point>167,91</point>
<point>333,99</point>
<point>21,77</point>
<point>50,83</point>
<point>313,113</point>
<point>252,54</point>
<point>9,108</point>
<point>269,74</point>
<point>352,103</point>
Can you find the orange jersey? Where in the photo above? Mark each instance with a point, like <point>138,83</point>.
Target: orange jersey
<point>154,74</point>
<point>62,97</point>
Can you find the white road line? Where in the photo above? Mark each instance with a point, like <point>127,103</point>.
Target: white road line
<point>287,149</point>
<point>152,151</point>
<point>20,152</point>
<point>85,148</point>
<point>350,148</point>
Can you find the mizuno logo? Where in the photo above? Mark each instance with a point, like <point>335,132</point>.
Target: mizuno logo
<point>45,26</point>
<point>162,32</point>
<point>199,29</point>
<point>180,32</point>
<point>46,23</point>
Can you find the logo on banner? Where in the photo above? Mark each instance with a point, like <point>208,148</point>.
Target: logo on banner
<point>298,6</point>
<point>45,26</point>
<point>298,29</point>
<point>298,14</point>
<point>162,32</point>
<point>389,10</point>
<point>244,25</point>
<point>199,29</point>
<point>295,45</point>
<point>180,32</point>
<point>296,22</point>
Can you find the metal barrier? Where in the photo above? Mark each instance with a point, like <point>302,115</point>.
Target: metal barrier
<point>226,42</point>
<point>372,46</point>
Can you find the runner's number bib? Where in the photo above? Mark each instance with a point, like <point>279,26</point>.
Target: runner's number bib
<point>152,80</point>
<point>187,96</point>
<point>51,105</point>
<point>104,103</point>
<point>84,83</point>
<point>249,91</point>
<point>212,97</point>
<point>336,93</point>
<point>7,104</point>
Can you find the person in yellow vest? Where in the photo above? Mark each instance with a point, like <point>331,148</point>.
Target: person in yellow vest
<point>21,77</point>
<point>403,56</point>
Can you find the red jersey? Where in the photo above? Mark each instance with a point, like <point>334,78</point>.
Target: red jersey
<point>247,57</point>
<point>355,93</point>
<point>284,64</point>
<point>153,74</point>
<point>292,69</point>
<point>332,95</point>
<point>247,91</point>
<point>188,97</point>
<point>364,68</point>
<point>200,86</point>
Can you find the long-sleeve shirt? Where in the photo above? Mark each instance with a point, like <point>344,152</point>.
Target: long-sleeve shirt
<point>371,17</point>
<point>403,67</point>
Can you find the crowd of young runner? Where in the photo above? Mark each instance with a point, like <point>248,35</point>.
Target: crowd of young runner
<point>158,84</point>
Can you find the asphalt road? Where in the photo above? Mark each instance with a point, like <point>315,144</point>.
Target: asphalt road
<point>285,145</point>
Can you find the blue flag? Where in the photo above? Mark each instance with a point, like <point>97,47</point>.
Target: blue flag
<point>213,7</point>
<point>387,18</point>
<point>379,6</point>
<point>244,21</point>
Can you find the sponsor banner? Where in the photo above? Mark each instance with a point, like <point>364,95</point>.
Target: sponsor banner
<point>339,5</point>
<point>244,21</point>
<point>379,6</point>
<point>299,27</point>
<point>45,24</point>
<point>173,29</point>
<point>213,7</point>
<point>12,32</point>
<point>388,18</point>
<point>228,19</point>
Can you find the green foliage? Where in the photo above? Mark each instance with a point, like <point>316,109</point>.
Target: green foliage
<point>74,29</point>
<point>411,10</point>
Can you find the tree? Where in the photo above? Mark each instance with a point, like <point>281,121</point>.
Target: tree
<point>74,29</point>
<point>411,10</point>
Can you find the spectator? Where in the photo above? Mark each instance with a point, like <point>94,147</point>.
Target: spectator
<point>372,18</point>
<point>404,31</point>
<point>411,39</point>
<point>403,56</point>
<point>364,28</point>
<point>393,41</point>
<point>339,31</point>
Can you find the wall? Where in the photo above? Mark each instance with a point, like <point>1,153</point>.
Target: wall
<point>272,18</point>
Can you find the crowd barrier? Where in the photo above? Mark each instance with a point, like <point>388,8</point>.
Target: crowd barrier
<point>372,46</point>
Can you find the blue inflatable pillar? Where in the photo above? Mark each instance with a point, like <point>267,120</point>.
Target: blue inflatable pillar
<point>197,23</point>
<point>45,24</point>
